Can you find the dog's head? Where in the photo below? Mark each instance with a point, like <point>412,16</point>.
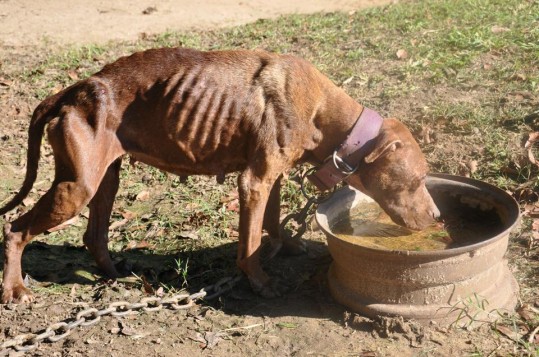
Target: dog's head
<point>394,174</point>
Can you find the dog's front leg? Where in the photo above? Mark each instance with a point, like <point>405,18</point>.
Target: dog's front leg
<point>287,245</point>
<point>254,190</point>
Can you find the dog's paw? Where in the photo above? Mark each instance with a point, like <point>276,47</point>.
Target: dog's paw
<point>17,295</point>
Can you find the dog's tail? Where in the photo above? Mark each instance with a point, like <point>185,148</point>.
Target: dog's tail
<point>45,112</point>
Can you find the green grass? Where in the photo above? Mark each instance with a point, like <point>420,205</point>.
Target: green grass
<point>467,61</point>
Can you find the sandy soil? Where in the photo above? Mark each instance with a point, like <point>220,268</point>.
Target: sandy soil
<point>28,22</point>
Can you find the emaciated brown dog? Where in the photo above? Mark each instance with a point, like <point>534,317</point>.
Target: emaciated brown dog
<point>204,113</point>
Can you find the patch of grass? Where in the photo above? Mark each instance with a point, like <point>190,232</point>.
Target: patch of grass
<point>469,74</point>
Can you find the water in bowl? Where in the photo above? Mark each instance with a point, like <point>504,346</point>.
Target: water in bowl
<point>462,223</point>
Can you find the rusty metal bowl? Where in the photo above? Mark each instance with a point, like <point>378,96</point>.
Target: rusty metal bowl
<point>456,285</point>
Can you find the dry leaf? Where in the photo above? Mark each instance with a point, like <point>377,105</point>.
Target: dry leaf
<point>535,225</point>
<point>117,224</point>
<point>472,166</point>
<point>73,75</point>
<point>148,289</point>
<point>143,196</point>
<point>56,89</point>
<point>188,235</point>
<point>5,82</point>
<point>213,338</point>
<point>73,290</point>
<point>508,332</point>
<point>149,10</point>
<point>198,338</point>
<point>532,138</point>
<point>347,80</point>
<point>28,201</point>
<point>233,206</point>
<point>499,29</point>
<point>526,313</point>
<point>128,214</point>
<point>402,54</point>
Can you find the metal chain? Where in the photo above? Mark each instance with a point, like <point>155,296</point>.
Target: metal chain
<point>308,209</point>
<point>91,316</point>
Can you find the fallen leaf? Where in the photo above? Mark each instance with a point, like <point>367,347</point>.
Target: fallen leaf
<point>535,225</point>
<point>402,54</point>
<point>213,338</point>
<point>499,29</point>
<point>472,166</point>
<point>188,235</point>
<point>526,312</point>
<point>149,10</point>
<point>143,196</point>
<point>508,332</point>
<point>73,75</point>
<point>198,338</point>
<point>28,201</point>
<point>532,138</point>
<point>148,289</point>
<point>56,89</point>
<point>117,224</point>
<point>137,245</point>
<point>233,206</point>
<point>73,290</point>
<point>128,214</point>
<point>5,82</point>
<point>347,80</point>
<point>128,331</point>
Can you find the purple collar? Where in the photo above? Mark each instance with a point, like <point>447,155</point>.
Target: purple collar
<point>347,157</point>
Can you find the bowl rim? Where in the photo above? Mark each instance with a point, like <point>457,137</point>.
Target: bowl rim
<point>512,206</point>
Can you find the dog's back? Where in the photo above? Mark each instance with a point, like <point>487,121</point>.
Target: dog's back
<point>201,106</point>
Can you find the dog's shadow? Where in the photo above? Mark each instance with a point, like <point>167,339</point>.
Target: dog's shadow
<point>301,279</point>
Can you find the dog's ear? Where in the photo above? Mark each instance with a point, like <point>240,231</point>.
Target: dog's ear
<point>383,147</point>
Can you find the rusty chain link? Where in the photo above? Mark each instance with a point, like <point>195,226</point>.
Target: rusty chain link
<point>308,209</point>
<point>91,316</point>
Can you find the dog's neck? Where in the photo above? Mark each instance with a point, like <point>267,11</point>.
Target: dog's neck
<point>335,119</point>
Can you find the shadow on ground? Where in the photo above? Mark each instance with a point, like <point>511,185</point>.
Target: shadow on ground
<point>302,279</point>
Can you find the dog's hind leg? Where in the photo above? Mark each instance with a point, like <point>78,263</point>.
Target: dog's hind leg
<point>82,153</point>
<point>96,235</point>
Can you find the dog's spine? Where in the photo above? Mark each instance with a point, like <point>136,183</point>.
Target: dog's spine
<point>45,111</point>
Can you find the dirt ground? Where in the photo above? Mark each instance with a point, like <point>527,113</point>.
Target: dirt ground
<point>27,22</point>
<point>304,321</point>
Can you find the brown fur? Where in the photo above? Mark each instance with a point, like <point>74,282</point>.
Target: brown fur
<point>211,113</point>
